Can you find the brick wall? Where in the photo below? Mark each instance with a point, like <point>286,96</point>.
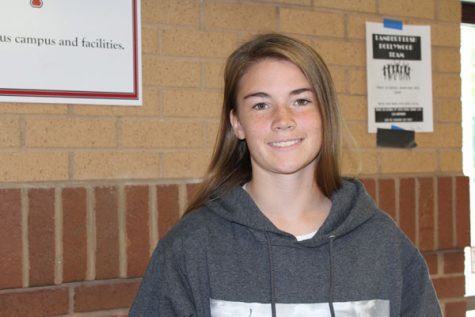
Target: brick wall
<point>184,47</point>
<point>87,191</point>
<point>83,249</point>
<point>79,249</point>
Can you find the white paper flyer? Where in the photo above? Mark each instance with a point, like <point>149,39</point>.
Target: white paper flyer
<point>399,77</point>
<point>67,51</point>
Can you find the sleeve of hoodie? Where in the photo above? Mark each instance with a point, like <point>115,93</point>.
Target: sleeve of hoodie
<point>418,295</point>
<point>164,291</point>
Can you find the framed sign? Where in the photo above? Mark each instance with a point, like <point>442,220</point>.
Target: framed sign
<point>399,77</point>
<point>69,51</point>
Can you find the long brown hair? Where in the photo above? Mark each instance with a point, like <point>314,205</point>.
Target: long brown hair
<point>231,164</point>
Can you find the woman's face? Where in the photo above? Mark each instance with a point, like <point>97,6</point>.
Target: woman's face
<point>277,115</point>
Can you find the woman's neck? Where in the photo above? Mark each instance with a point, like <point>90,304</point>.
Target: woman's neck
<point>293,204</point>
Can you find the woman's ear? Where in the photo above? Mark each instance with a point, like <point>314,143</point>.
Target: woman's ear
<point>237,128</point>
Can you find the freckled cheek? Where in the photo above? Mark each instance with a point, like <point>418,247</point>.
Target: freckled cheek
<point>310,123</point>
<point>256,127</point>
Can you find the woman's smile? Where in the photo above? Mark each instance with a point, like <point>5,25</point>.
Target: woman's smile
<point>285,143</point>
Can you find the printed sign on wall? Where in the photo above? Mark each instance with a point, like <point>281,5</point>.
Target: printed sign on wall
<point>399,77</point>
<point>69,51</point>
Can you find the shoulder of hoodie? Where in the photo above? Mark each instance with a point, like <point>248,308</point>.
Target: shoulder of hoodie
<point>392,234</point>
<point>191,229</point>
<point>384,229</point>
<point>381,220</point>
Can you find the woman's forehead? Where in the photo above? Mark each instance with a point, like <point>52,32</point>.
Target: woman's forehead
<point>272,74</point>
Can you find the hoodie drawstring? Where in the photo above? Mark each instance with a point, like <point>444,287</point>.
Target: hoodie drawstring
<point>271,273</point>
<point>330,297</point>
<point>271,269</point>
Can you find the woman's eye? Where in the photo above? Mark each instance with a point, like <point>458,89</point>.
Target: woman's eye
<point>302,102</point>
<point>259,106</point>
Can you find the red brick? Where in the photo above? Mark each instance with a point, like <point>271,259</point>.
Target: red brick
<point>445,224</point>
<point>34,303</point>
<point>462,208</point>
<point>107,232</point>
<point>41,232</point>
<point>138,245</point>
<point>456,309</point>
<point>454,262</point>
<point>104,296</point>
<point>370,185</point>
<point>168,208</point>
<point>426,214</point>
<point>74,234</point>
<point>387,196</point>
<point>407,207</point>
<point>432,262</point>
<point>11,239</point>
<point>449,287</point>
<point>191,190</point>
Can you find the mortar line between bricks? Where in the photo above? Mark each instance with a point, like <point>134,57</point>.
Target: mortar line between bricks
<point>121,312</point>
<point>436,212</point>
<point>122,232</point>
<point>102,182</point>
<point>182,198</point>
<point>106,282</point>
<point>71,166</point>
<point>456,209</point>
<point>119,141</point>
<point>416,213</point>
<point>201,26</point>
<point>91,234</point>
<point>440,263</point>
<point>71,300</point>
<point>153,217</point>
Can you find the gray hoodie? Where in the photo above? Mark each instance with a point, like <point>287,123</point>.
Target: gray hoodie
<point>227,259</point>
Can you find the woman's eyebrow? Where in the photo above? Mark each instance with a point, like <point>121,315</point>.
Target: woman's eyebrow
<point>299,91</point>
<point>266,95</point>
<point>257,94</point>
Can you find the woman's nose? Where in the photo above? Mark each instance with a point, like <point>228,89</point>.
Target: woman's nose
<point>283,119</point>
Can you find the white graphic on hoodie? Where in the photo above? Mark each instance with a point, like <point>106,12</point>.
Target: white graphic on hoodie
<point>368,308</point>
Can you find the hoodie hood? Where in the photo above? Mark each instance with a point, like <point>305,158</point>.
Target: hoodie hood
<point>351,207</point>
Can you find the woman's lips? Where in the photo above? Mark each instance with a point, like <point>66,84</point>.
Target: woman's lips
<point>286,143</point>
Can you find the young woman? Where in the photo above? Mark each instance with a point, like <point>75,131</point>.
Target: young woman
<point>274,229</point>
